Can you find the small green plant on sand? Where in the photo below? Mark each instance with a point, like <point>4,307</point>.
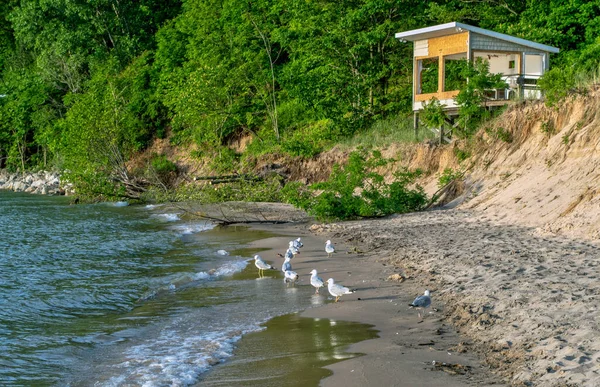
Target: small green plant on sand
<point>504,135</point>
<point>448,176</point>
<point>547,128</point>
<point>461,154</point>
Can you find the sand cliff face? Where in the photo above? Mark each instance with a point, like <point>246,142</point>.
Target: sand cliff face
<point>543,171</point>
<point>548,177</point>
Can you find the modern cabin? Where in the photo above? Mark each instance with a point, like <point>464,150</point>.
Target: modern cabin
<point>440,50</point>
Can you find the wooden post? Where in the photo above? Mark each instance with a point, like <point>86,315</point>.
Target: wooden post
<point>441,134</point>
<point>416,125</point>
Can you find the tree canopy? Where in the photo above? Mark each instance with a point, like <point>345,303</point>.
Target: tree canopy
<point>82,78</point>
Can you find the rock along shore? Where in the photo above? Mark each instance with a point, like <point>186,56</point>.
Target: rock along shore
<point>42,182</point>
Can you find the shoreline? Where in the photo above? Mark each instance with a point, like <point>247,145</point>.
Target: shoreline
<point>405,350</point>
<point>37,183</point>
<point>525,304</point>
<point>510,306</point>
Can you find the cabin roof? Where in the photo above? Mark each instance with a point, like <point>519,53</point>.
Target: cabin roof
<point>455,27</point>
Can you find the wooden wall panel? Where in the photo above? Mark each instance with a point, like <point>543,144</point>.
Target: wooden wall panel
<point>447,45</point>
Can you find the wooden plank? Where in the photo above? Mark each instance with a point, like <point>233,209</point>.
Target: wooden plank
<point>439,96</point>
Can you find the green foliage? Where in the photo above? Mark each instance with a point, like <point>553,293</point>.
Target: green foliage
<point>433,114</point>
<point>557,84</point>
<point>267,190</point>
<point>297,194</point>
<point>461,154</point>
<point>356,190</point>
<point>547,127</point>
<point>504,135</point>
<point>309,140</point>
<point>448,176</point>
<point>382,133</point>
<point>471,99</point>
<point>89,84</point>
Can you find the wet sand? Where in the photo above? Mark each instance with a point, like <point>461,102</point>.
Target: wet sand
<point>526,305</point>
<point>406,349</point>
<point>510,307</point>
<point>290,351</point>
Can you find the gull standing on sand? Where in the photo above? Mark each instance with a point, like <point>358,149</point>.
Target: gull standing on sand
<point>337,290</point>
<point>286,265</point>
<point>316,281</point>
<point>292,276</point>
<point>293,248</point>
<point>329,249</point>
<point>288,254</point>
<point>421,303</point>
<point>298,244</point>
<point>261,265</point>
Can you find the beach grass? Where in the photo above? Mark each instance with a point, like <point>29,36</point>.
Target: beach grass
<point>397,129</point>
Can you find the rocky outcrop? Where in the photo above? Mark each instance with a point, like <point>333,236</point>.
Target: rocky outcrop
<point>43,182</point>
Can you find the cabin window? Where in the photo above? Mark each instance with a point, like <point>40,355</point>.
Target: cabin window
<point>428,75</point>
<point>455,67</point>
<point>511,64</point>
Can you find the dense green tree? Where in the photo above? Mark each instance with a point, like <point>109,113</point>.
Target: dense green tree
<point>86,84</point>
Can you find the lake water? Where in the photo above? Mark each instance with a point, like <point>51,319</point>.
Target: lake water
<point>116,295</point>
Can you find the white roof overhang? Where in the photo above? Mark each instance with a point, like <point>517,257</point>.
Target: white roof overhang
<point>455,27</point>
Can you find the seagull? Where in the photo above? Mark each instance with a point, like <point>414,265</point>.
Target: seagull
<point>293,248</point>
<point>297,243</point>
<point>316,281</point>
<point>337,290</point>
<point>421,302</point>
<point>329,249</point>
<point>261,265</point>
<point>292,276</point>
<point>286,265</point>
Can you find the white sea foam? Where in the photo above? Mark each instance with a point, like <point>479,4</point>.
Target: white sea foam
<point>226,269</point>
<point>168,217</point>
<point>120,204</point>
<point>222,252</point>
<point>152,206</point>
<point>192,228</point>
<point>176,360</point>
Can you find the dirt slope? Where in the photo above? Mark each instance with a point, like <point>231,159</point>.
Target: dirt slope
<point>548,177</point>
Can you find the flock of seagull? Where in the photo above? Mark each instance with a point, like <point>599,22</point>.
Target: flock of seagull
<point>336,290</point>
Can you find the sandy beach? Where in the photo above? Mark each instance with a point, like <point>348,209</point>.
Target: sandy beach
<point>509,307</point>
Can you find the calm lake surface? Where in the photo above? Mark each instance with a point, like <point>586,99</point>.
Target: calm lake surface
<point>116,295</point>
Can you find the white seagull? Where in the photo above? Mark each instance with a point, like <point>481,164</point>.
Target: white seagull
<point>261,265</point>
<point>329,249</point>
<point>337,290</point>
<point>289,275</point>
<point>298,244</point>
<point>293,248</point>
<point>421,302</point>
<point>286,265</point>
<point>316,281</point>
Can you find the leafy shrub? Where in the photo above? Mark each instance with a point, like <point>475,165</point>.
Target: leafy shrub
<point>309,140</point>
<point>448,176</point>
<point>163,170</point>
<point>162,164</point>
<point>296,194</point>
<point>355,190</point>
<point>556,84</point>
<point>471,98</point>
<point>433,114</point>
